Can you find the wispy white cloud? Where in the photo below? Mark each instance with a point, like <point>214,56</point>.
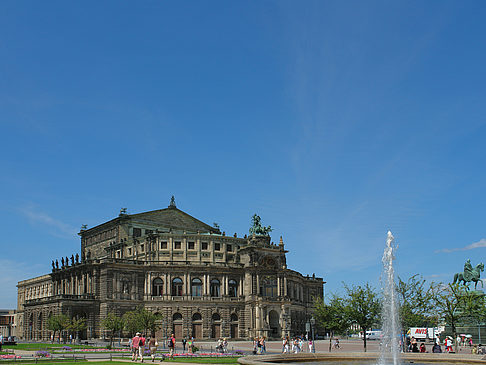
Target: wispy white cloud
<point>56,227</point>
<point>479,244</point>
<point>12,273</point>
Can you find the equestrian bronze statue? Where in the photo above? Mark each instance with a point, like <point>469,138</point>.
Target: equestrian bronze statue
<point>470,274</point>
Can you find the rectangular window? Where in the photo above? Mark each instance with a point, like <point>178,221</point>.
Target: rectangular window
<point>137,232</point>
<point>148,231</point>
<point>129,252</point>
<point>191,245</point>
<point>141,248</point>
<point>229,248</point>
<point>217,247</point>
<point>204,245</point>
<point>163,245</point>
<point>177,245</point>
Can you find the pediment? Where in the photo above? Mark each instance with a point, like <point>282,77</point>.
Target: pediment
<point>173,218</point>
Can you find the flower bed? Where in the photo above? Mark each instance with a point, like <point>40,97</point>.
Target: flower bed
<point>42,354</point>
<point>10,357</point>
<point>103,350</point>
<point>204,354</point>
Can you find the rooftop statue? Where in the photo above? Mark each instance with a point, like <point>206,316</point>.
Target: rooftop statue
<point>470,274</point>
<point>257,228</point>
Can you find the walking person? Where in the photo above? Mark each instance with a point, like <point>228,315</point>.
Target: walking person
<point>184,342</point>
<point>141,346</point>
<point>152,344</point>
<point>225,345</point>
<point>135,345</point>
<point>171,344</point>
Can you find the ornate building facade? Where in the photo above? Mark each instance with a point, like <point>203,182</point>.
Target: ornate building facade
<point>204,283</point>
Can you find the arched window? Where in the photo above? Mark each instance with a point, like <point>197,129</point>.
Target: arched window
<point>177,287</point>
<point>196,287</point>
<point>157,287</point>
<point>125,286</point>
<point>214,288</point>
<point>232,288</point>
<point>268,287</point>
<point>177,317</point>
<point>216,317</point>
<point>234,317</point>
<point>196,317</point>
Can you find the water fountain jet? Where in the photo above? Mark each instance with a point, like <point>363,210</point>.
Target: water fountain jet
<point>390,351</point>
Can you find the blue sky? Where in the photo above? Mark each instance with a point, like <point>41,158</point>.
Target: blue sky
<point>333,120</point>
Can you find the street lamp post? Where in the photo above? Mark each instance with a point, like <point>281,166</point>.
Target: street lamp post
<point>165,334</point>
<point>313,322</point>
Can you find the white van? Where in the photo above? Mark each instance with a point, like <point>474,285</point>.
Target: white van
<point>372,335</point>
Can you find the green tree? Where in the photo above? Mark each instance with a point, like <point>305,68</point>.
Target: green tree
<point>149,321</point>
<point>58,323</point>
<point>114,324</point>
<point>333,316</point>
<point>362,306</point>
<point>416,303</point>
<point>77,325</point>
<point>132,324</point>
<point>141,320</point>
<point>451,302</point>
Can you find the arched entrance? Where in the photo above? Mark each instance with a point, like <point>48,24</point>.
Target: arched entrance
<point>234,326</point>
<point>197,325</point>
<point>274,323</point>
<point>177,325</point>
<point>216,326</point>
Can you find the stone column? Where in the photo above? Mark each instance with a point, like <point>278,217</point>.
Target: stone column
<point>257,284</point>
<point>205,285</point>
<point>258,324</point>
<point>166,284</point>
<point>285,286</point>
<point>169,284</point>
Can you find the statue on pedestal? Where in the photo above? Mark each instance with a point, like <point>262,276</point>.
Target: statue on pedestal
<point>257,228</point>
<point>470,274</point>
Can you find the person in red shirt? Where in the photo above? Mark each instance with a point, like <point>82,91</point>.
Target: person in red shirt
<point>135,346</point>
<point>172,343</point>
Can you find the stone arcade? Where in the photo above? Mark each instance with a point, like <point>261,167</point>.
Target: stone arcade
<point>204,283</point>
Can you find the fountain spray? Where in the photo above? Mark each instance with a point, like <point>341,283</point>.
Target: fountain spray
<point>390,350</point>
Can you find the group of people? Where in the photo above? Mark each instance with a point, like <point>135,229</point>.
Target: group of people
<point>140,346</point>
<point>259,345</point>
<point>222,345</point>
<point>295,345</point>
<point>412,345</point>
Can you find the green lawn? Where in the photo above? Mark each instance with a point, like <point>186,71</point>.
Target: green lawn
<point>48,362</point>
<point>200,360</point>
